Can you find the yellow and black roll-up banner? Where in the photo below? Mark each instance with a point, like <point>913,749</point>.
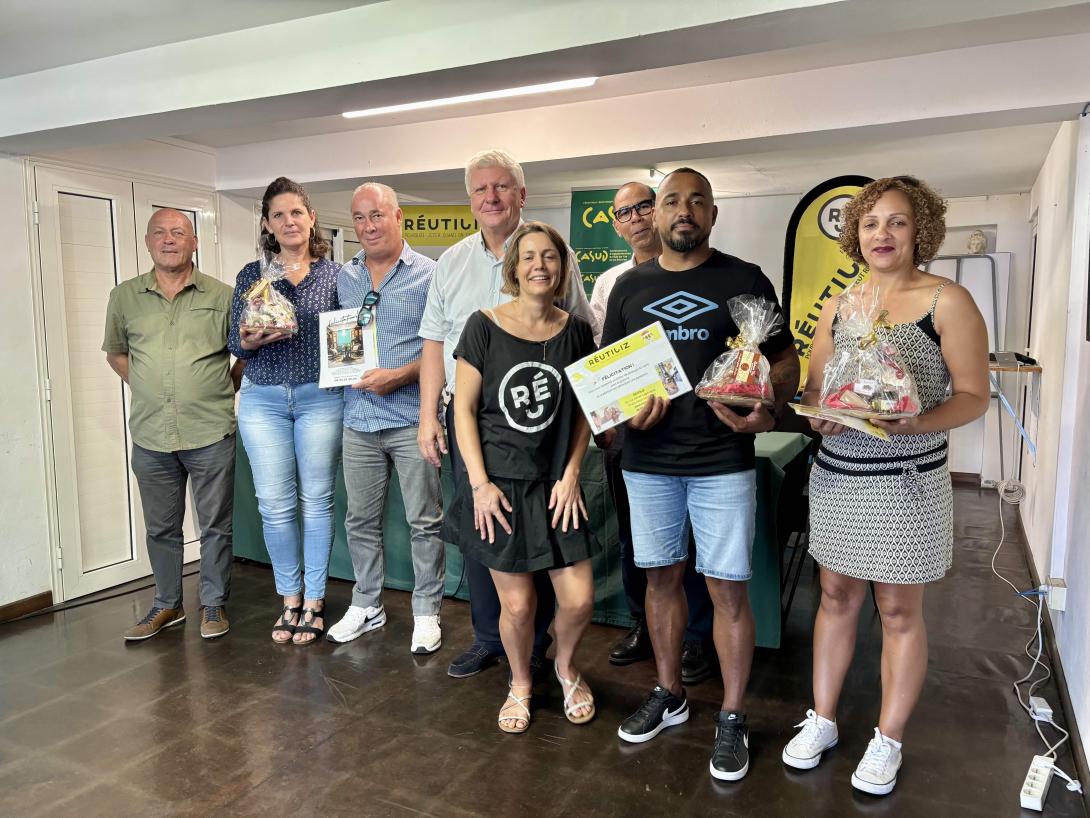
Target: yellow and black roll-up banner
<point>814,268</point>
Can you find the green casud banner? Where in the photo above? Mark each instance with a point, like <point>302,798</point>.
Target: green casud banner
<point>595,243</point>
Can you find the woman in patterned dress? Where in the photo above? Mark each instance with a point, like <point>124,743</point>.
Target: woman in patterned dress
<point>882,511</point>
<point>290,428</point>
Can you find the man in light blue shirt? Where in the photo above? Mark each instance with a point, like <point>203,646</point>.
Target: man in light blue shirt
<point>467,278</point>
<point>388,282</point>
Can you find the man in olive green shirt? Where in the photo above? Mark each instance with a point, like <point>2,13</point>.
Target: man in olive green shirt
<point>166,336</point>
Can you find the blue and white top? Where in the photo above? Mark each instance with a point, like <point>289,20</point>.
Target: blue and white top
<point>294,360</point>
<point>403,293</point>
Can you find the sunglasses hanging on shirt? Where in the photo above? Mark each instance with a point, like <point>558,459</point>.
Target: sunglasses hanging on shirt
<point>367,311</point>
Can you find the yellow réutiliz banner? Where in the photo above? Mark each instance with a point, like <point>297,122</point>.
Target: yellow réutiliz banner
<point>437,225</point>
<point>814,268</point>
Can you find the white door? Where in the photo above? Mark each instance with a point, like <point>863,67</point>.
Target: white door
<point>201,212</point>
<point>87,244</point>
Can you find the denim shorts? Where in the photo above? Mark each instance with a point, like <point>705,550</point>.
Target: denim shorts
<point>722,508</point>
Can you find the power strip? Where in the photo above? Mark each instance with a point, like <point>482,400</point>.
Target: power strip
<point>1035,788</point>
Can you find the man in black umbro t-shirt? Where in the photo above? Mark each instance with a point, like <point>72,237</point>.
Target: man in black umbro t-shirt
<point>691,460</point>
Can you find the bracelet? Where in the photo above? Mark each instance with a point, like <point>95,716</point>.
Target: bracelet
<point>480,486</point>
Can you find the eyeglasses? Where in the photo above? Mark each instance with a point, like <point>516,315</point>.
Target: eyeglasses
<point>624,214</point>
<point>367,311</point>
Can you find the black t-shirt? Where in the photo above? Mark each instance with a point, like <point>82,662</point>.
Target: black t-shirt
<point>527,407</point>
<point>692,305</point>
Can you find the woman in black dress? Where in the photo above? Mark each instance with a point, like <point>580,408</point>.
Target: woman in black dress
<point>522,438</point>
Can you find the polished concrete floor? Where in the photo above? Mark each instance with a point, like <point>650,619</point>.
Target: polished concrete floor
<point>236,727</point>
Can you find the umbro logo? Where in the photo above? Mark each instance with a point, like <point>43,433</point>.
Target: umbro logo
<point>678,308</point>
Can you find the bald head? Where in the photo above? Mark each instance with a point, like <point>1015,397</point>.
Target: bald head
<point>633,219</point>
<point>377,220</point>
<point>171,241</point>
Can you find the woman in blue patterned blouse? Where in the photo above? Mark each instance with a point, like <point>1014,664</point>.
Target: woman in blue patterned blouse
<point>288,425</point>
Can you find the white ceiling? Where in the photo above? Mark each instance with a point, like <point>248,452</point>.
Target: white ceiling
<point>40,34</point>
<point>970,163</point>
<point>684,74</point>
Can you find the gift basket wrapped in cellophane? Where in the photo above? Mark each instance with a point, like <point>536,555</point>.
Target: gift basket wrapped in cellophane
<point>867,378</point>
<point>741,375</point>
<point>266,309</point>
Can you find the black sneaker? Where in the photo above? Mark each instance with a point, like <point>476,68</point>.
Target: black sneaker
<point>730,756</point>
<point>698,661</point>
<point>634,646</point>
<point>661,710</point>
<point>476,658</point>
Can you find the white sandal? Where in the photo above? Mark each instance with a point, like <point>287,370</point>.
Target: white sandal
<point>520,701</point>
<point>569,707</point>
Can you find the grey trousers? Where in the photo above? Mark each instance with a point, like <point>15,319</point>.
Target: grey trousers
<point>367,458</point>
<point>162,479</point>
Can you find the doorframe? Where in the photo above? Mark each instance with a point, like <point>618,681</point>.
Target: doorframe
<point>30,165</point>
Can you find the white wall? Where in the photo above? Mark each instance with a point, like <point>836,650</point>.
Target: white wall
<point>26,567</point>
<point>1070,552</point>
<point>1052,202</point>
<point>1058,342</point>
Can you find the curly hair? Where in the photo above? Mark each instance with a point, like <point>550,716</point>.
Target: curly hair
<point>928,211</point>
<point>511,258</point>
<point>317,246</point>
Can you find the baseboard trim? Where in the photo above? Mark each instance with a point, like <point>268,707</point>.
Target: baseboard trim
<point>22,607</point>
<point>965,478</point>
<point>1082,770</point>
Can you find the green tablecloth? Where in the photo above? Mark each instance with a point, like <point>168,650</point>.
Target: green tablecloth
<point>775,451</point>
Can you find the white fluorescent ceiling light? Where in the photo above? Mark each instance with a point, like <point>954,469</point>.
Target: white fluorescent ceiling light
<point>503,93</point>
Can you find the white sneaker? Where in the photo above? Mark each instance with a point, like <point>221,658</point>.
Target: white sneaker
<point>877,770</point>
<point>817,735</point>
<point>356,622</point>
<point>427,636</point>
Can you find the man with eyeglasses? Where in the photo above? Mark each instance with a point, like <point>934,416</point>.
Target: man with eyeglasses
<point>633,219</point>
<point>388,281</point>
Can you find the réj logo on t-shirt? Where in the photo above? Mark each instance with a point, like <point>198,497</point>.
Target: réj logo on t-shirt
<point>679,307</point>
<point>530,396</point>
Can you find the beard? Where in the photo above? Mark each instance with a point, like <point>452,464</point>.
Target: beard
<point>683,244</point>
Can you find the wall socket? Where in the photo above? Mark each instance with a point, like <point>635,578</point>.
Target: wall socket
<point>1057,594</point>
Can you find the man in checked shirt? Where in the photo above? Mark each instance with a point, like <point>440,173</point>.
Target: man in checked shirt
<point>388,281</point>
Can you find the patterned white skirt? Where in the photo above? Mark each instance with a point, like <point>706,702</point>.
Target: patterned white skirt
<point>883,511</point>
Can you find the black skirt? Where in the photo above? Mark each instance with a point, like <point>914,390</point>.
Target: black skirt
<point>533,544</point>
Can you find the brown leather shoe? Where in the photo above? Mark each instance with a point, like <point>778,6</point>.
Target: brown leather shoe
<point>214,621</point>
<point>155,621</point>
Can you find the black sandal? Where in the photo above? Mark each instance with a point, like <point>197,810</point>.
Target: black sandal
<point>284,627</point>
<point>307,625</point>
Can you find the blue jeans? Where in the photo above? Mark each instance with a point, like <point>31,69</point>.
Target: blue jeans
<point>723,512</point>
<point>292,435</point>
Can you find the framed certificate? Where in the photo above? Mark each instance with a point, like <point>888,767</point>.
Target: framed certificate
<point>615,382</point>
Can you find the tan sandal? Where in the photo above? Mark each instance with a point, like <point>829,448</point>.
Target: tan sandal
<point>570,689</point>
<point>520,702</point>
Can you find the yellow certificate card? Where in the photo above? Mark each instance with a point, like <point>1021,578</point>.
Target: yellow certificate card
<point>615,382</point>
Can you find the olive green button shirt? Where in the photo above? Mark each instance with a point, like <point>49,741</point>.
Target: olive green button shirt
<point>179,366</point>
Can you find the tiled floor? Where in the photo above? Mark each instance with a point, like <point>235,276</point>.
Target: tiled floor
<point>236,727</point>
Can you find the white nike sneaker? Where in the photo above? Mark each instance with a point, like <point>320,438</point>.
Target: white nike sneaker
<point>427,635</point>
<point>817,735</point>
<point>356,622</point>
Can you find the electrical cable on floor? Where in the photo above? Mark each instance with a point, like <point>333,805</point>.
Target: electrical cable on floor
<point>1012,492</point>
